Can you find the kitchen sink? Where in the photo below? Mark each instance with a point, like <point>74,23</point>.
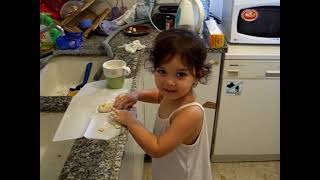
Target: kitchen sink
<point>64,72</point>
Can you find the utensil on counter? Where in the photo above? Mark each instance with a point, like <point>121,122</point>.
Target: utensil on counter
<point>74,91</point>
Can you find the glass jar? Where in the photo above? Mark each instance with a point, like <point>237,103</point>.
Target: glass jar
<point>169,22</point>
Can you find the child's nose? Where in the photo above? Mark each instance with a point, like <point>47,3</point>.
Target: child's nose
<point>170,82</point>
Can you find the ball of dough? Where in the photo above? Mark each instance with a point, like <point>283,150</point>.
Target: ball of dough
<point>105,107</point>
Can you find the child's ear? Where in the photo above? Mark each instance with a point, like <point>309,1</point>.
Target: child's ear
<point>201,73</point>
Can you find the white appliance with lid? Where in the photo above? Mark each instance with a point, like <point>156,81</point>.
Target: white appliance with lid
<point>248,115</point>
<point>183,12</point>
<point>190,13</point>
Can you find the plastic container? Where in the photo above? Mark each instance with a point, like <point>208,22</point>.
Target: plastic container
<point>142,10</point>
<point>169,22</point>
<point>47,39</point>
<point>46,20</point>
<point>107,27</point>
<point>71,40</point>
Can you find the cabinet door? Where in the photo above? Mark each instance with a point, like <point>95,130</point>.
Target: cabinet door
<point>150,110</point>
<point>208,92</point>
<point>248,126</point>
<point>133,158</point>
<point>140,105</point>
<point>133,161</point>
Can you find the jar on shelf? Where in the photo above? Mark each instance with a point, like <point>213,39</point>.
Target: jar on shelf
<point>169,22</point>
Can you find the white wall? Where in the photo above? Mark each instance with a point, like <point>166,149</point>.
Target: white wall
<point>216,7</point>
<point>100,5</point>
<point>127,3</point>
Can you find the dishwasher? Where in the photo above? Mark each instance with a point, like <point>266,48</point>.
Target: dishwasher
<point>248,122</point>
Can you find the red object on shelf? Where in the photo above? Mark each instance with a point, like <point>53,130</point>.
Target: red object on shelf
<point>52,7</point>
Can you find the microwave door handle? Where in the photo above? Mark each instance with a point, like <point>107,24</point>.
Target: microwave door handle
<point>272,73</point>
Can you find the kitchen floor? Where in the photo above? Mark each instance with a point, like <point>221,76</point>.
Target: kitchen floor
<point>269,170</point>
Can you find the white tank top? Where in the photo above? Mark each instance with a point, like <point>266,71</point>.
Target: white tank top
<point>186,162</point>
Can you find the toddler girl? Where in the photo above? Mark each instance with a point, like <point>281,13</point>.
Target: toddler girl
<point>179,145</point>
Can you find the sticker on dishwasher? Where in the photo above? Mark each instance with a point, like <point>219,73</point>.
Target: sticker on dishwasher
<point>234,87</point>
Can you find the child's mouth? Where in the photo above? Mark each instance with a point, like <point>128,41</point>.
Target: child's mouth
<point>170,91</point>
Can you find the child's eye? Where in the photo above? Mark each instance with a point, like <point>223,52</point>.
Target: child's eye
<point>181,74</point>
<point>160,71</point>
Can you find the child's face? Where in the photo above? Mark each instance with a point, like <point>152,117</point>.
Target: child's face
<point>173,79</point>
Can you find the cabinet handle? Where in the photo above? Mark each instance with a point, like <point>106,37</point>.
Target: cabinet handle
<point>213,62</point>
<point>270,73</point>
<point>209,104</point>
<point>233,72</point>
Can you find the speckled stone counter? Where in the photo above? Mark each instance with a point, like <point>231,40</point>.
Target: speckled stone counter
<point>97,159</point>
<point>92,46</point>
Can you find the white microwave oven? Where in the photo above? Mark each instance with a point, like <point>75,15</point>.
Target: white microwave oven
<point>251,21</point>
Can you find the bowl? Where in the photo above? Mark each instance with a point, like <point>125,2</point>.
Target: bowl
<point>137,30</point>
<point>70,7</point>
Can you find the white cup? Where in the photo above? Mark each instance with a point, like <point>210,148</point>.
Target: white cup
<point>115,72</point>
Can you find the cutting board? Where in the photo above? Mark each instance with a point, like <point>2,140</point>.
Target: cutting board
<point>83,106</point>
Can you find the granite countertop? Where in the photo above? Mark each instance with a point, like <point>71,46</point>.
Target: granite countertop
<point>98,159</point>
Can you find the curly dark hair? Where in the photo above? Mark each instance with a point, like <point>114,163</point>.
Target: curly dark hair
<point>185,43</point>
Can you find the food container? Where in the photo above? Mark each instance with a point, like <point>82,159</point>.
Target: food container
<point>70,41</point>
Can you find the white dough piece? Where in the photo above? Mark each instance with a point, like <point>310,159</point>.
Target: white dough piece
<point>105,107</point>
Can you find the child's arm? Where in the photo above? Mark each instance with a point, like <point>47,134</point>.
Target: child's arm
<point>125,101</point>
<point>183,126</point>
<point>150,96</point>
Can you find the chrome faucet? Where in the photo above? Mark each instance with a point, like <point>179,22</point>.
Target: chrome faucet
<point>53,26</point>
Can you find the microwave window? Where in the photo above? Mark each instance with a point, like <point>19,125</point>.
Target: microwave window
<point>263,21</point>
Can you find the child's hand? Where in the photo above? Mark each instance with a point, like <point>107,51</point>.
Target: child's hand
<point>125,101</point>
<point>123,116</point>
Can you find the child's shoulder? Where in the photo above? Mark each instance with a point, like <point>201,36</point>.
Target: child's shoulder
<point>193,111</point>
<point>193,108</point>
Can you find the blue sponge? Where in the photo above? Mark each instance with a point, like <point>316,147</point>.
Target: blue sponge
<point>85,24</point>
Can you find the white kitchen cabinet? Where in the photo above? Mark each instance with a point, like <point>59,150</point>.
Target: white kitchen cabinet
<point>205,93</point>
<point>133,158</point>
<point>132,161</point>
<point>248,123</point>
<point>208,92</point>
<point>150,109</point>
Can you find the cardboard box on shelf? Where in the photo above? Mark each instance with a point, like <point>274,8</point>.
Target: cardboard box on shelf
<point>212,34</point>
